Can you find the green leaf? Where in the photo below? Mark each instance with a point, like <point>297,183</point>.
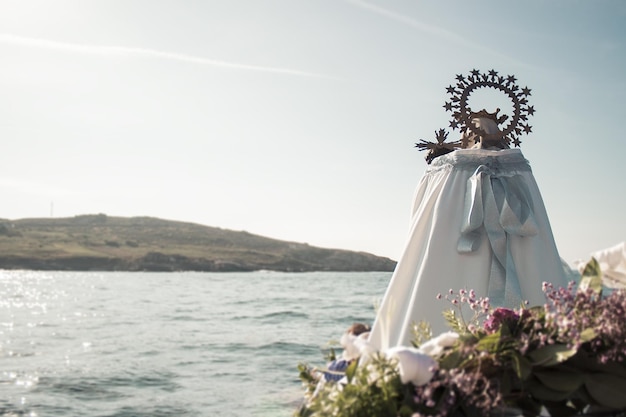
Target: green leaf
<point>543,393</point>
<point>560,378</point>
<point>587,335</point>
<point>591,277</point>
<point>305,373</point>
<point>551,354</point>
<point>608,390</point>
<point>422,332</point>
<point>490,342</point>
<point>589,364</point>
<point>522,366</point>
<point>455,323</point>
<point>451,360</point>
<point>351,370</point>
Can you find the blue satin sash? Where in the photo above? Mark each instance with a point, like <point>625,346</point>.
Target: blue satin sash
<point>498,201</point>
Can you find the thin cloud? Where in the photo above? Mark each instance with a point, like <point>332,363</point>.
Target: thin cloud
<point>148,53</point>
<point>406,20</point>
<point>426,28</point>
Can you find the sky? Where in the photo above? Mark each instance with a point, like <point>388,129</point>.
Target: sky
<point>297,119</point>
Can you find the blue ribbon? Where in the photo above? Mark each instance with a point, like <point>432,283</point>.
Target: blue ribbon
<point>500,203</point>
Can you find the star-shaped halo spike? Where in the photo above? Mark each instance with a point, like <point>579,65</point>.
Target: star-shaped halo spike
<point>462,114</point>
<point>441,136</point>
<point>438,148</point>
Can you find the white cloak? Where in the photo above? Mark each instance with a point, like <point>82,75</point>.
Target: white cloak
<point>478,222</point>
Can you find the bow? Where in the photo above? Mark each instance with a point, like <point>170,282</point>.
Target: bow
<point>501,203</point>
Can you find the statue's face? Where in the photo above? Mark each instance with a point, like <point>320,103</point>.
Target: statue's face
<point>488,125</point>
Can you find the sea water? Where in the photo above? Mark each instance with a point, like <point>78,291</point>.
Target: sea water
<point>170,344</point>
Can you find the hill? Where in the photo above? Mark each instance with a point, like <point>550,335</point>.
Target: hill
<point>104,243</point>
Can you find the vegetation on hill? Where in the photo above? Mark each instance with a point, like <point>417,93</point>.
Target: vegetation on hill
<point>104,243</point>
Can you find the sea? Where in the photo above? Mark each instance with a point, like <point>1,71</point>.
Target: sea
<point>125,344</point>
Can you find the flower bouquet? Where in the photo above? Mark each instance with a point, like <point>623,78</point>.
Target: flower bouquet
<point>564,358</point>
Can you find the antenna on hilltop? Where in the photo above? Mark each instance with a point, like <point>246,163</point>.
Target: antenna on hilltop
<point>52,209</point>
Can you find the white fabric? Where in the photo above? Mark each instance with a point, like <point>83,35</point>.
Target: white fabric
<point>612,264</point>
<point>478,222</point>
<point>353,346</point>
<point>414,365</point>
<point>436,346</point>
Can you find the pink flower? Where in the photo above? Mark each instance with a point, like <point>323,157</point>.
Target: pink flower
<point>498,317</point>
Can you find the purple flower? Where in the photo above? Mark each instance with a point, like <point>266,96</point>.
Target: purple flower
<point>498,317</point>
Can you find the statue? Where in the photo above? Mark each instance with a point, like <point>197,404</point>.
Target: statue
<point>478,220</point>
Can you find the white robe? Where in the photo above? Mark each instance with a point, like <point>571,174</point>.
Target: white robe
<point>478,222</point>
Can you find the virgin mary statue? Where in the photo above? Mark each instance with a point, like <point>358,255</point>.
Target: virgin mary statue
<point>478,221</point>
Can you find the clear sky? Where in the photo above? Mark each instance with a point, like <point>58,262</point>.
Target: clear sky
<point>297,119</point>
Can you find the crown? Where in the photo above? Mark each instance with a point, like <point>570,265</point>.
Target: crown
<point>493,116</point>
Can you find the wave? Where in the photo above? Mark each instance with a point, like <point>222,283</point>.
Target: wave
<point>160,410</point>
<point>240,350</point>
<point>106,388</point>
<point>288,348</point>
<point>274,317</point>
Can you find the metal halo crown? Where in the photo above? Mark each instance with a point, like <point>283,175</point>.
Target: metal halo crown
<point>462,114</point>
